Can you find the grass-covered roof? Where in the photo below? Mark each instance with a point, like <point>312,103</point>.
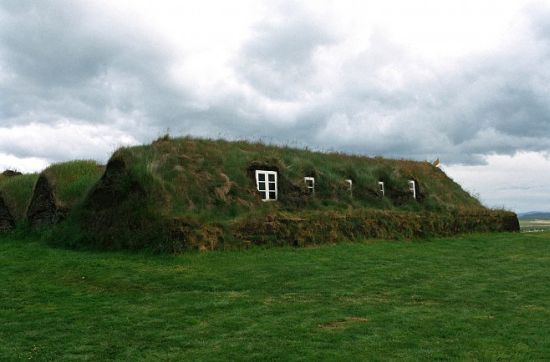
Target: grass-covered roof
<point>16,192</point>
<point>59,188</point>
<point>70,181</point>
<point>176,188</point>
<point>190,176</point>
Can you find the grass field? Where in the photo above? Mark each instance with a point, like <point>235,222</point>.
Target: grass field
<point>534,225</point>
<point>475,297</point>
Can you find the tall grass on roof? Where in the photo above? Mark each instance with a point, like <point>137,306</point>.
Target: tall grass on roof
<point>72,180</point>
<point>16,192</point>
<point>59,188</point>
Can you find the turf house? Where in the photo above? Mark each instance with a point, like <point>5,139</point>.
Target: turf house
<point>187,193</point>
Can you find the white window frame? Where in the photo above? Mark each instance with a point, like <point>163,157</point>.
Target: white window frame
<point>266,192</point>
<point>308,186</point>
<point>381,188</point>
<point>412,188</point>
<point>350,185</point>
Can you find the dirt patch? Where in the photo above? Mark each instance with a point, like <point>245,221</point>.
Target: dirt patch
<point>43,208</point>
<point>343,323</point>
<point>7,222</point>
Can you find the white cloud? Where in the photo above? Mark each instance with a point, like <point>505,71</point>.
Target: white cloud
<point>64,140</point>
<point>520,182</point>
<point>453,79</point>
<point>22,164</point>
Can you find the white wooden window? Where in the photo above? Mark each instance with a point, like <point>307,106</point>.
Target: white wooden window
<point>412,188</point>
<point>381,188</point>
<point>350,185</point>
<point>310,184</point>
<point>266,183</point>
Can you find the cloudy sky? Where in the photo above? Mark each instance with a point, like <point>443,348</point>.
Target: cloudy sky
<point>465,81</point>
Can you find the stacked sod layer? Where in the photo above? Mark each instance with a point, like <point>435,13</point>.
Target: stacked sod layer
<point>15,194</point>
<point>191,193</point>
<point>59,188</point>
<point>331,227</point>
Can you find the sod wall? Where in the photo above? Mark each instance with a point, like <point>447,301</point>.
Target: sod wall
<point>180,234</point>
<point>332,227</point>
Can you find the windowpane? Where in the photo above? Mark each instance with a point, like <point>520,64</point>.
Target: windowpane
<point>266,183</point>
<point>412,188</point>
<point>310,184</point>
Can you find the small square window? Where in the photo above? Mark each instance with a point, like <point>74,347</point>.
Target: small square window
<point>381,189</point>
<point>412,188</point>
<point>350,185</point>
<point>266,184</point>
<point>310,184</point>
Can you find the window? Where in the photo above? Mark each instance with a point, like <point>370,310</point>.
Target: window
<point>350,184</point>
<point>412,188</point>
<point>381,189</point>
<point>266,183</point>
<point>310,184</point>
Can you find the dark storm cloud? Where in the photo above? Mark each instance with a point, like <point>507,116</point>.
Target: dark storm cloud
<point>62,61</point>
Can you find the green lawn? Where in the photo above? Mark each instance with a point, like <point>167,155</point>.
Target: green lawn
<point>479,297</point>
<point>534,225</point>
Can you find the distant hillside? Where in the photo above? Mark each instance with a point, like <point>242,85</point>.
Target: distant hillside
<point>535,215</point>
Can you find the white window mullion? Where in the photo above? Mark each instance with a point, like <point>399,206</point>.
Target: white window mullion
<point>266,183</point>
<point>310,184</point>
<point>350,186</point>
<point>412,188</point>
<point>381,189</point>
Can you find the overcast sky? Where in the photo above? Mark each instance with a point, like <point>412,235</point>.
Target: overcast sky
<point>465,81</point>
